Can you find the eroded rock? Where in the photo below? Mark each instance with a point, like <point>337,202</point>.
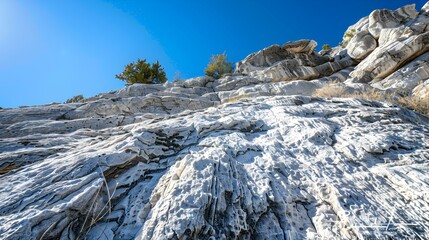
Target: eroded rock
<point>267,166</point>
<point>387,58</point>
<point>405,79</point>
<point>381,19</point>
<point>247,156</point>
<point>293,61</point>
<point>360,45</point>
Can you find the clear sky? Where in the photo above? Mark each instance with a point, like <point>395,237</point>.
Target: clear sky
<point>51,50</point>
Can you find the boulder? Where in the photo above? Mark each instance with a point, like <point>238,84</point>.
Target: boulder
<point>361,45</point>
<point>422,90</point>
<point>301,46</point>
<point>386,59</point>
<point>388,35</point>
<point>295,52</point>
<point>361,25</point>
<point>292,61</point>
<point>251,155</point>
<point>405,79</point>
<point>381,19</point>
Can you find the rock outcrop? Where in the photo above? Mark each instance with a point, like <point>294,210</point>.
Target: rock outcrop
<point>292,61</point>
<point>248,156</point>
<point>402,36</point>
<point>276,167</point>
<point>362,44</point>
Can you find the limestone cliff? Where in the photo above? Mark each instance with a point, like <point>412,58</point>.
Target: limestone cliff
<point>248,156</point>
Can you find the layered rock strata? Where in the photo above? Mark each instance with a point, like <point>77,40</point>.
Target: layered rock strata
<point>247,156</point>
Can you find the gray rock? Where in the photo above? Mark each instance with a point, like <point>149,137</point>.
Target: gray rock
<point>301,46</point>
<point>388,58</point>
<point>361,45</point>
<point>292,54</point>
<point>405,79</point>
<point>246,156</point>
<point>189,174</point>
<point>388,35</point>
<point>422,90</point>
<point>293,61</point>
<point>381,19</point>
<point>361,25</point>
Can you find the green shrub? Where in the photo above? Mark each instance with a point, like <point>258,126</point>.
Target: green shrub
<point>143,72</point>
<point>218,66</point>
<point>326,47</point>
<point>348,36</point>
<point>75,99</point>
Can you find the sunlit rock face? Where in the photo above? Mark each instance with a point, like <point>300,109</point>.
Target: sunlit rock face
<point>249,156</point>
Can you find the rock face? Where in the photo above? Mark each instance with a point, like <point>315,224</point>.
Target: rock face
<point>362,44</point>
<point>402,36</point>
<point>292,61</point>
<point>383,19</point>
<point>407,78</point>
<point>272,167</point>
<point>247,156</point>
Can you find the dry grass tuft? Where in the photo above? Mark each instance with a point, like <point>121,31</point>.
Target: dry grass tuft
<point>417,104</point>
<point>236,98</point>
<point>330,91</point>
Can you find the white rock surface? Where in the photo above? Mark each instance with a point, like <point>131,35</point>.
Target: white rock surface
<point>267,167</point>
<point>382,19</point>
<point>362,44</point>
<point>422,90</point>
<point>406,79</point>
<point>387,58</point>
<point>388,35</point>
<point>247,156</point>
<point>399,37</point>
<point>293,61</point>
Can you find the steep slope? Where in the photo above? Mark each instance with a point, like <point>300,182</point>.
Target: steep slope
<point>248,156</point>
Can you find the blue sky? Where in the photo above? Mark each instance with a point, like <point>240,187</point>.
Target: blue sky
<point>52,50</point>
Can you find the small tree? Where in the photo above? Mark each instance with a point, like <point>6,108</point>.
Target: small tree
<point>218,66</point>
<point>143,72</point>
<point>75,99</point>
<point>326,47</point>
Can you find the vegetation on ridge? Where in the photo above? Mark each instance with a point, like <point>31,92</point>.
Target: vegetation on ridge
<point>75,99</point>
<point>218,66</point>
<point>143,72</point>
<point>326,47</point>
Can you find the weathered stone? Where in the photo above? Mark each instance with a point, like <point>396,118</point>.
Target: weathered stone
<point>361,25</point>
<point>388,35</point>
<point>405,79</point>
<point>422,90</point>
<point>380,19</point>
<point>279,64</point>
<point>361,45</point>
<point>388,58</point>
<point>186,175</point>
<point>274,55</point>
<point>137,89</point>
<point>246,156</point>
<point>301,46</point>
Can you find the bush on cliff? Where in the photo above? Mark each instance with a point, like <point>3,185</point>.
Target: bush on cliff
<point>143,72</point>
<point>75,99</point>
<point>326,47</point>
<point>218,66</point>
